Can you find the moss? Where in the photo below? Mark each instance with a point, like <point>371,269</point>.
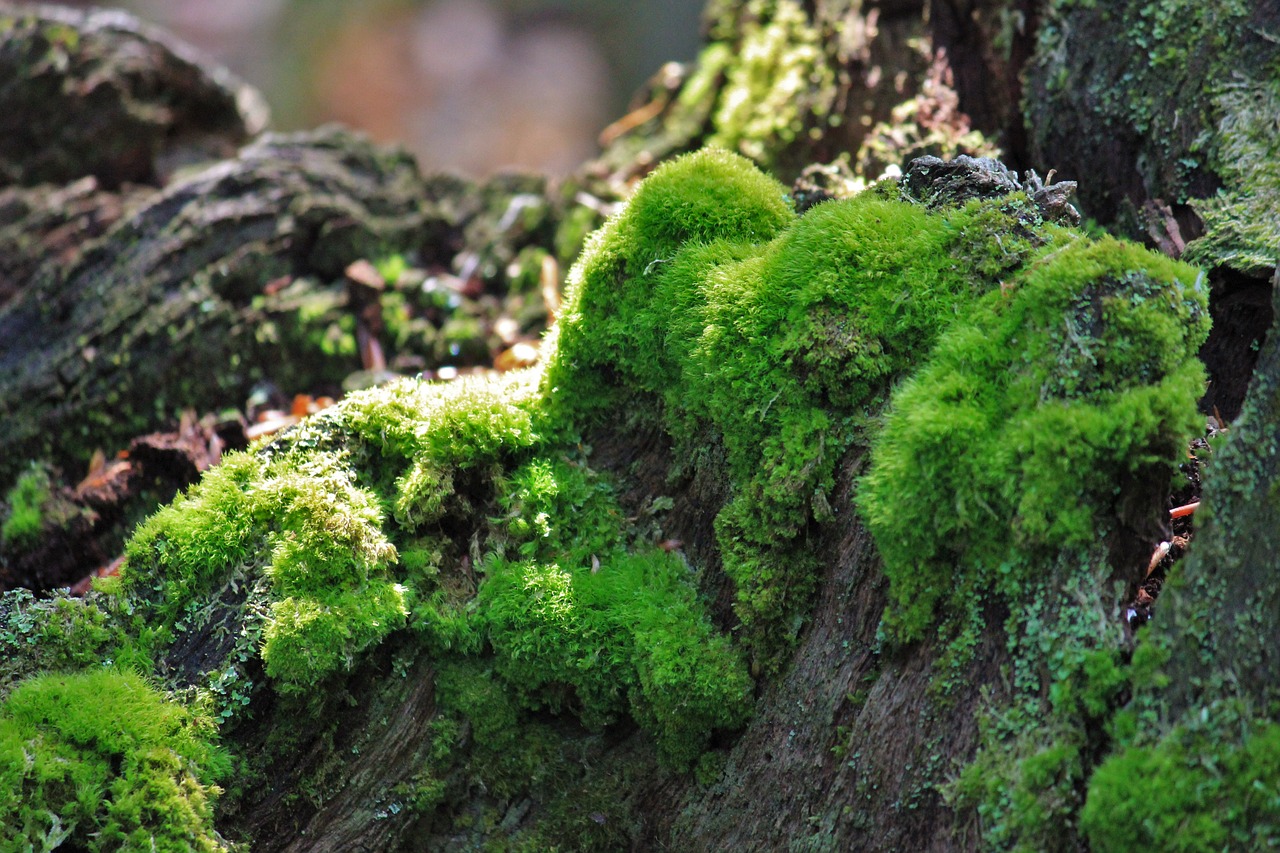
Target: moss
<point>301,516</point>
<point>1040,742</point>
<point>607,631</point>
<point>1047,418</point>
<point>780,334</point>
<point>1009,442</point>
<point>58,633</point>
<point>1196,744</point>
<point>779,86</point>
<point>26,502</point>
<point>1200,788</point>
<point>467,518</point>
<point>101,761</point>
<point>309,527</point>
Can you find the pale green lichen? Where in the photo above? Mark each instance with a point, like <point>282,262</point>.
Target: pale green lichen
<point>1190,87</point>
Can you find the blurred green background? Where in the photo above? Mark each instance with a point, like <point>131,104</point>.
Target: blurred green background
<point>474,86</point>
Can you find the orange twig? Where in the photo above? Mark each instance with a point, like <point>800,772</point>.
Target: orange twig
<point>1161,550</point>
<point>1180,511</point>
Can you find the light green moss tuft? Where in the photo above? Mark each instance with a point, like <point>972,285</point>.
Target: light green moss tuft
<point>25,501</point>
<point>101,761</point>
<point>580,620</point>
<point>309,527</point>
<point>778,86</point>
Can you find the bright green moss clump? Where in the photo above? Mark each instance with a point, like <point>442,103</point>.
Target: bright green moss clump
<point>102,762</point>
<point>1197,790</point>
<point>467,520</point>
<point>1033,423</point>
<point>348,526</point>
<point>781,334</point>
<point>26,502</point>
<point>617,632</point>
<point>313,531</point>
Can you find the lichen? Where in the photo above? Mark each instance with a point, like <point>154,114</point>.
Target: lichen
<point>1240,222</point>
<point>1188,88</point>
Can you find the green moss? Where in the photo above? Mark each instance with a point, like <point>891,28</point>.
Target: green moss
<point>780,334</point>
<point>314,533</point>
<point>467,517</point>
<point>315,526</point>
<point>101,761</point>
<point>1206,787</point>
<point>581,622</point>
<point>26,502</point>
<point>1049,414</point>
<point>57,633</point>
<point>1038,745</point>
<point>1011,440</point>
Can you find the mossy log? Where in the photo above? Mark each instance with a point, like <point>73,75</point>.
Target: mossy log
<point>157,315</point>
<point>814,531</point>
<point>182,266</point>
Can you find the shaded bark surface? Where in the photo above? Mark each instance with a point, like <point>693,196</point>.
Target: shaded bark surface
<point>848,744</point>
<point>159,315</point>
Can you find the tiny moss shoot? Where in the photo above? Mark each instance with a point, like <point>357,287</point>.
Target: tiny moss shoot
<point>26,503</point>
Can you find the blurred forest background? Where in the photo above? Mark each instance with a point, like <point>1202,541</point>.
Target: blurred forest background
<point>473,86</point>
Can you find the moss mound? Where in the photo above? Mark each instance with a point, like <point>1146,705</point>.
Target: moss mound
<point>1033,423</point>
<point>100,760</point>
